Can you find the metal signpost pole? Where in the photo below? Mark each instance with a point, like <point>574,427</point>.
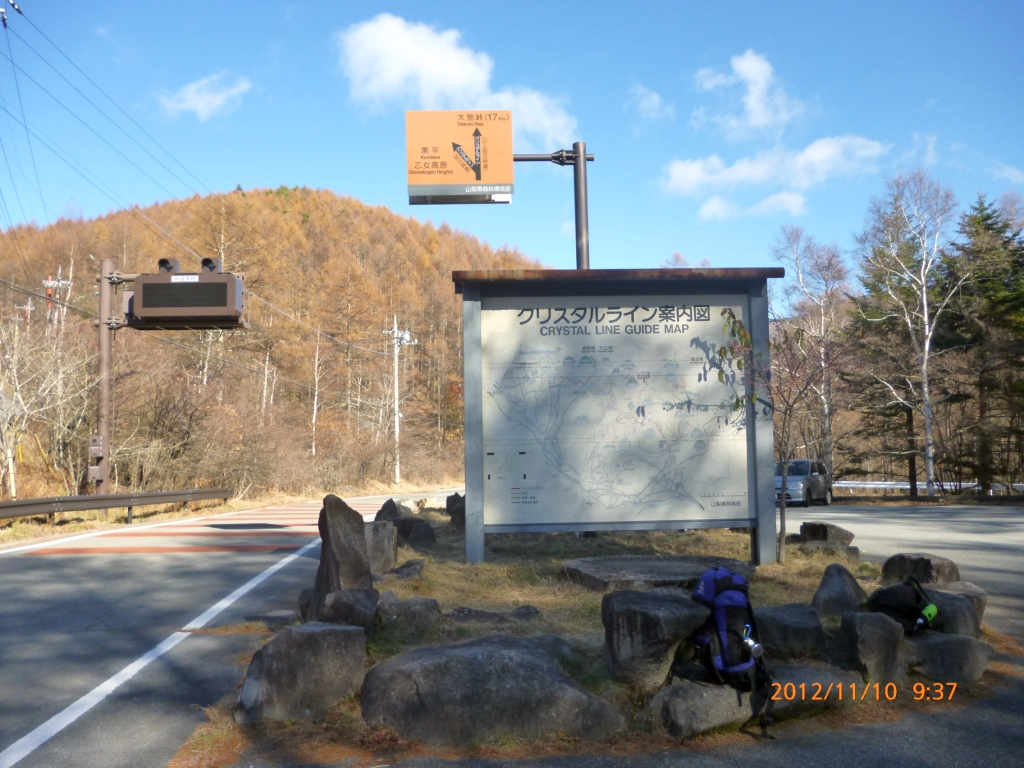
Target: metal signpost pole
<point>579,158</point>
<point>105,334</point>
<point>579,175</point>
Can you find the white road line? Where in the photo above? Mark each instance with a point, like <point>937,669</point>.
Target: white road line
<point>32,741</point>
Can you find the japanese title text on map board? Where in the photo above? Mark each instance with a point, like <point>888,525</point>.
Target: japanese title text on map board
<point>612,409</point>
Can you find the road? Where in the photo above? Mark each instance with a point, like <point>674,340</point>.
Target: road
<point>106,649</point>
<point>986,543</point>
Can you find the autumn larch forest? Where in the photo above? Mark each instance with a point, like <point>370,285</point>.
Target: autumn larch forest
<point>900,360</point>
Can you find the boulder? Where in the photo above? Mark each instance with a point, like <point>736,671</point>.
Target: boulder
<point>455,506</point>
<point>381,544</point>
<point>344,560</point>
<point>838,592</point>
<point>957,615</point>
<point>643,631</point>
<point>974,593</point>
<point>497,687</point>
<point>356,607</point>
<point>872,644</point>
<point>414,532</point>
<point>302,673</point>
<point>412,613</point>
<point>827,548</point>
<point>690,708</point>
<point>948,658</point>
<point>388,512</point>
<point>410,569</point>
<point>924,567</point>
<point>474,615</point>
<point>278,619</point>
<point>790,631</point>
<point>827,532</point>
<point>305,600</point>
<point>610,572</point>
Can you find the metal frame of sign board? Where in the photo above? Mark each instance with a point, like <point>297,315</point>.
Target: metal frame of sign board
<point>483,291</point>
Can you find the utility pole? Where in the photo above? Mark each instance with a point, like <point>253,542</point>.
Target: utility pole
<point>399,339</point>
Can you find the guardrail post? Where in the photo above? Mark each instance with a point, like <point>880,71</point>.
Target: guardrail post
<point>129,516</point>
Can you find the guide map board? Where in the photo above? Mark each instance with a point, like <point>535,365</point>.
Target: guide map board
<point>612,406</point>
<point>459,156</point>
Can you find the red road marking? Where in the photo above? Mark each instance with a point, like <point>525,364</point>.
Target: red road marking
<point>187,534</point>
<point>161,550</point>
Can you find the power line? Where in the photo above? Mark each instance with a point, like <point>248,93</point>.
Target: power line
<point>21,104</point>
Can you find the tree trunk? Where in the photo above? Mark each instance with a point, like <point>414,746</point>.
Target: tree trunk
<point>911,452</point>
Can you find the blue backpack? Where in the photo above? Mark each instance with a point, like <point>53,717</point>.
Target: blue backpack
<point>728,645</point>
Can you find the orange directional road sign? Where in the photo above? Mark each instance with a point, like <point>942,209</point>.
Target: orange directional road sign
<point>459,156</point>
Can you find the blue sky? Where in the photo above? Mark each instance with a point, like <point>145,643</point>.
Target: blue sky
<point>713,124</point>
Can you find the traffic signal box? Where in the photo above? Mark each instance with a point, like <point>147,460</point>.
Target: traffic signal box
<point>171,299</point>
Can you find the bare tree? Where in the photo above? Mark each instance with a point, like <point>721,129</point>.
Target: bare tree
<point>38,376</point>
<point>903,248</point>
<point>814,304</point>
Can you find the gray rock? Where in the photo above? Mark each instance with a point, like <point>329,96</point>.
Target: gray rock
<point>381,544</point>
<point>957,615</point>
<point>790,631</point>
<point>924,567</point>
<point>827,532</point>
<point>410,569</point>
<point>414,532</point>
<point>302,673</point>
<point>643,631</point>
<point>872,644</point>
<point>412,613</point>
<point>522,613</point>
<point>948,658</point>
<point>688,709</point>
<point>388,511</point>
<point>344,561</point>
<point>794,538</point>
<point>838,592</point>
<point>356,607</point>
<point>278,619</point>
<point>305,600</point>
<point>455,506</point>
<point>848,553</point>
<point>974,593</point>
<point>481,690</point>
<point>647,571</point>
<point>464,615</point>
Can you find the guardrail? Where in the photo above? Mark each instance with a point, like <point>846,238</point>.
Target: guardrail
<point>905,486</point>
<point>53,504</point>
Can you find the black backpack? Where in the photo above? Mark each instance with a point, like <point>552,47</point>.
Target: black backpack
<point>907,604</point>
<point>727,643</point>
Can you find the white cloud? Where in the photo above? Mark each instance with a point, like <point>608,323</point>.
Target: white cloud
<point>923,152</point>
<point>821,160</point>
<point>1008,172</point>
<point>649,104</point>
<point>765,104</point>
<point>718,208</point>
<point>207,96</point>
<point>792,203</point>
<point>390,60</point>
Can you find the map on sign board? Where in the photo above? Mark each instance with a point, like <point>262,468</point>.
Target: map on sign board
<point>613,409</point>
<point>459,156</point>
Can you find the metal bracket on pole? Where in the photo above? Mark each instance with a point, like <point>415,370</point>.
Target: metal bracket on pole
<point>578,158</point>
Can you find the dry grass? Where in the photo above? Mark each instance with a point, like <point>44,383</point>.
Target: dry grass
<point>526,569</point>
